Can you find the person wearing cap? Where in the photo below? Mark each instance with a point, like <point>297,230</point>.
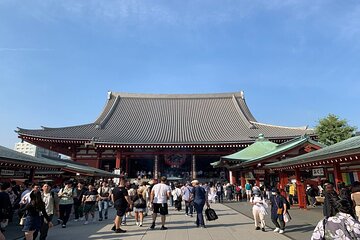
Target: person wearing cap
<point>159,196</point>
<point>341,226</point>
<point>200,198</point>
<point>278,210</point>
<point>259,211</point>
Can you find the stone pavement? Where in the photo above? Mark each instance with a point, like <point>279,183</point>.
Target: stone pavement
<point>231,225</point>
<point>301,226</point>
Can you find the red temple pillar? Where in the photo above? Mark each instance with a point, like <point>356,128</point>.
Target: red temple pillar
<point>98,159</point>
<point>257,181</point>
<point>118,160</point>
<point>232,177</point>
<point>282,183</point>
<point>337,175</point>
<point>300,189</point>
<point>242,180</point>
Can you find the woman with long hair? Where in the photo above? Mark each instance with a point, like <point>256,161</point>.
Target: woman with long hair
<point>33,220</point>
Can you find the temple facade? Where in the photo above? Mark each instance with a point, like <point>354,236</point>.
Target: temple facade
<point>177,135</point>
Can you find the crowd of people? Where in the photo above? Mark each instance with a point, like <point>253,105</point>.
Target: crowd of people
<point>38,206</point>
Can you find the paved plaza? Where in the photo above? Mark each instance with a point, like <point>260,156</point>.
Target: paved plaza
<point>231,225</point>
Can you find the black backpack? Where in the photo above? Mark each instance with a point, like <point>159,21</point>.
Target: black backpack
<point>210,214</point>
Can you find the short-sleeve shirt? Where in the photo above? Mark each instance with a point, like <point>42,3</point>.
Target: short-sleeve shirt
<point>90,196</point>
<point>119,194</point>
<point>160,193</point>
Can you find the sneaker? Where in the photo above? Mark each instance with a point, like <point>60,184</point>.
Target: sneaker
<point>137,223</point>
<point>63,226</point>
<point>152,226</point>
<point>191,215</point>
<point>277,229</point>
<point>281,231</point>
<point>113,228</point>
<point>163,228</point>
<point>257,228</point>
<point>119,230</point>
<point>86,222</point>
<point>123,223</point>
<point>202,226</point>
<point>59,221</point>
<point>263,229</point>
<point>100,219</point>
<point>76,220</point>
<point>140,224</point>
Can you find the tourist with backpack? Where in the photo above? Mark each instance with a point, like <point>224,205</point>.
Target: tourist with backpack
<point>188,197</point>
<point>66,195</point>
<point>51,202</point>
<point>259,209</point>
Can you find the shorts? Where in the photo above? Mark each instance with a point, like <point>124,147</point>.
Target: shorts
<point>161,208</point>
<point>248,192</point>
<point>120,212</point>
<point>139,209</point>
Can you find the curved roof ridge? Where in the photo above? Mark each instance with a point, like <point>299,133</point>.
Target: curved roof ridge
<point>241,113</point>
<point>270,125</point>
<point>191,95</point>
<point>110,112</point>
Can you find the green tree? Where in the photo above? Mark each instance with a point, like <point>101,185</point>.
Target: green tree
<point>331,130</point>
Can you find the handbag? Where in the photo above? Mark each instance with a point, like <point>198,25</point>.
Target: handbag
<point>210,214</point>
<point>279,210</point>
<point>287,217</point>
<point>22,220</point>
<point>140,203</point>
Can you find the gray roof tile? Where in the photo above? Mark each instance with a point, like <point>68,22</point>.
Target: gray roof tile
<point>171,119</point>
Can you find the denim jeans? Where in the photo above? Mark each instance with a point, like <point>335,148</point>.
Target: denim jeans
<point>199,206</point>
<point>103,205</point>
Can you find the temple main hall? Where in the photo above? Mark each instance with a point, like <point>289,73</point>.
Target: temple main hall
<point>177,135</point>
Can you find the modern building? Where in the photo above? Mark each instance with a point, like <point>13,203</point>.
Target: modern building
<point>35,151</point>
<point>176,135</point>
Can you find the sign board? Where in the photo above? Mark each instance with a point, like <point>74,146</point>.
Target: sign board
<point>316,172</point>
<point>259,171</point>
<point>5,172</point>
<point>249,175</point>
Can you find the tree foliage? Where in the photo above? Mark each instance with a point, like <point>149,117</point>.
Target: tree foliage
<point>331,130</point>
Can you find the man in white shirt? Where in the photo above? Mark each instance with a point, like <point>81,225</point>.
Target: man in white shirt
<point>160,193</point>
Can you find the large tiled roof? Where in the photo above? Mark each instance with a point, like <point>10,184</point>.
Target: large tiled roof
<point>341,149</point>
<point>171,119</point>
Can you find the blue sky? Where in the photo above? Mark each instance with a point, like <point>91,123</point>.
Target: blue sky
<point>295,60</point>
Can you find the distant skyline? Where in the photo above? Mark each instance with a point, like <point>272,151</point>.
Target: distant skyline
<point>297,61</point>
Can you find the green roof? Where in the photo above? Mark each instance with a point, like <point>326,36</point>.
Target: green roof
<point>260,150</point>
<point>346,147</point>
<point>284,147</point>
<point>260,147</point>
